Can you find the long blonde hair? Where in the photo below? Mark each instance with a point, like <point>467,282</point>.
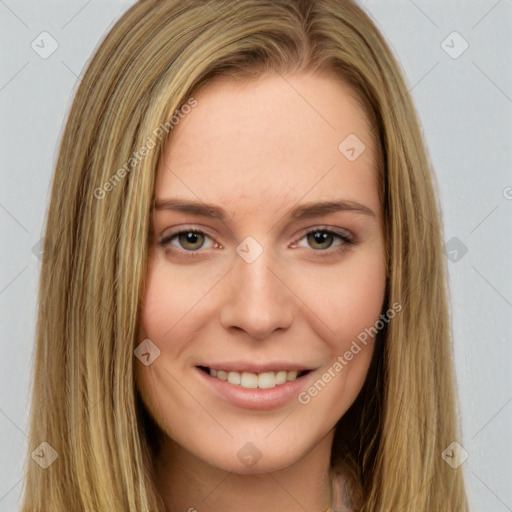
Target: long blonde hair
<point>84,399</point>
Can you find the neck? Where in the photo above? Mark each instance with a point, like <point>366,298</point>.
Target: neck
<point>187,483</point>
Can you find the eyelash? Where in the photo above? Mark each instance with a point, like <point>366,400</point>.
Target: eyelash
<point>345,238</point>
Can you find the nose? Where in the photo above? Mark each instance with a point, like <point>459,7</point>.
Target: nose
<point>256,298</point>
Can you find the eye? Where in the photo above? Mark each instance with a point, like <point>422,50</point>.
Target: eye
<point>189,240</point>
<point>321,239</point>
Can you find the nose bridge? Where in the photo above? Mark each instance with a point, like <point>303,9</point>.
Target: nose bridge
<point>257,301</point>
<point>256,279</point>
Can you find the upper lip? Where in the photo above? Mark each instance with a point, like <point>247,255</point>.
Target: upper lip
<point>252,367</point>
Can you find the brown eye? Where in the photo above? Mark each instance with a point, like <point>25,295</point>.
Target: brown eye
<point>324,239</point>
<point>187,240</point>
<point>191,240</point>
<point>326,242</point>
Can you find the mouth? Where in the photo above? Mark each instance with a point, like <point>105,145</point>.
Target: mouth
<point>250,380</point>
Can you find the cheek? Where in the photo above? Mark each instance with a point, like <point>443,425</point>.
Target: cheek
<point>349,307</point>
<point>161,307</point>
<point>161,311</point>
<point>170,320</point>
<point>348,298</point>
<point>360,301</point>
<point>171,296</point>
<point>164,322</point>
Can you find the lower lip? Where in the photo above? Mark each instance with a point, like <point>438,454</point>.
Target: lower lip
<point>256,399</point>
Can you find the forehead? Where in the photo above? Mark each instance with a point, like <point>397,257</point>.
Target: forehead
<point>262,143</point>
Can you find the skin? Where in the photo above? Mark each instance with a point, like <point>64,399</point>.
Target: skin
<point>257,149</point>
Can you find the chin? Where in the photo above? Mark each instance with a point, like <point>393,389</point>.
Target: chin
<point>263,461</point>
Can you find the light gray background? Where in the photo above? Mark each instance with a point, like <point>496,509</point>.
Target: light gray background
<point>465,105</point>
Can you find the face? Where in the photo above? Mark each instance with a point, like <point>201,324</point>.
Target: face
<point>253,277</point>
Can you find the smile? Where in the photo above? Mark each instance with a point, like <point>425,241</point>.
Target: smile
<point>248,380</point>
<point>254,386</point>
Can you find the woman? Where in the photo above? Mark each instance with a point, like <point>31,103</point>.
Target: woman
<point>245,304</point>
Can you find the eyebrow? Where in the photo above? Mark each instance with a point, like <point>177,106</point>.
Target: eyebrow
<point>301,212</point>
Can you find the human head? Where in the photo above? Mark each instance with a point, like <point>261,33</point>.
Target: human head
<point>151,63</point>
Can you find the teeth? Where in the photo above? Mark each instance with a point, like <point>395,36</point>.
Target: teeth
<point>249,380</point>
<point>265,380</point>
<point>234,378</point>
<point>291,375</point>
<point>281,377</point>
